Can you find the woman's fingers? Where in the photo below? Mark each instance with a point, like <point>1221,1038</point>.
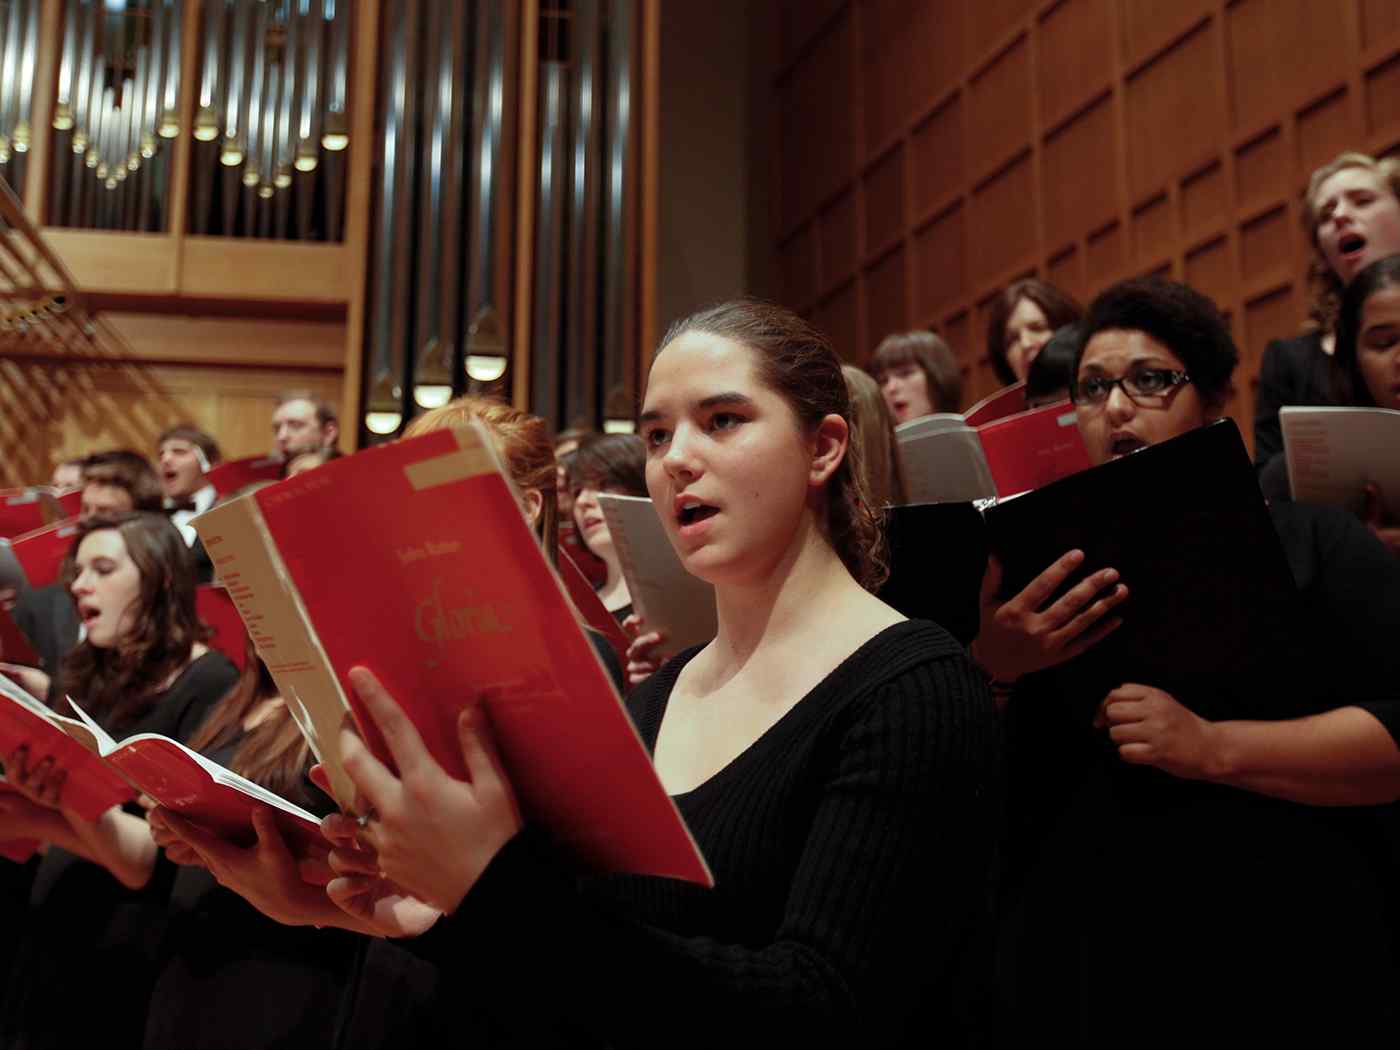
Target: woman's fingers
<point>1076,624</point>
<point>401,736</point>
<point>372,779</point>
<point>1036,593</point>
<point>479,753</point>
<point>352,862</point>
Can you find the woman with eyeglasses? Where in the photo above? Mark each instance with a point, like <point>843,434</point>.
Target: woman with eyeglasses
<point>1214,862</point>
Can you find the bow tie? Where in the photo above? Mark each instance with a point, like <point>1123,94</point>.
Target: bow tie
<point>174,506</point>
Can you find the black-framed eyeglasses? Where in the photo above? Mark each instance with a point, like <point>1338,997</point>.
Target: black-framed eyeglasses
<point>1141,385</point>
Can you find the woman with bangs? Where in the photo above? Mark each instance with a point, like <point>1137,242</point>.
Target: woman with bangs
<point>1020,321</point>
<point>836,763</point>
<point>918,374</point>
<point>614,463</point>
<point>1351,216</point>
<point>99,894</point>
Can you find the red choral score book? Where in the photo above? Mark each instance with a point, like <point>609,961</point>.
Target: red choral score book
<point>414,560</point>
<point>217,612</point>
<point>1008,401</point>
<point>15,648</point>
<point>24,510</point>
<point>234,474</point>
<point>586,600</point>
<point>1031,449</point>
<point>91,787</point>
<point>41,552</point>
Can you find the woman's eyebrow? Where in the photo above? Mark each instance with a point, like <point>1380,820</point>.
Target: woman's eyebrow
<point>728,397</point>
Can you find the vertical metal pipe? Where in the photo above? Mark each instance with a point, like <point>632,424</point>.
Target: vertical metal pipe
<point>67,68</point>
<point>169,125</point>
<point>28,54</point>
<point>617,240</point>
<point>547,327</point>
<point>452,311</point>
<point>581,334</point>
<point>429,163</point>
<point>9,70</point>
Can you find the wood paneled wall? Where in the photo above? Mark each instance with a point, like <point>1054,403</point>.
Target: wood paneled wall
<point>928,152</point>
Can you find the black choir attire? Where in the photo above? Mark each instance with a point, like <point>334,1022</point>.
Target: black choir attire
<point>851,846</point>
<point>1293,372</point>
<point>273,985</point>
<point>1139,905</point>
<point>48,616</point>
<point>85,958</point>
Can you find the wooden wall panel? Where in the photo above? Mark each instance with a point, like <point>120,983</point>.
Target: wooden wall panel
<point>1075,36</point>
<point>1150,24</point>
<point>939,253</point>
<point>1261,167</point>
<point>884,200</point>
<point>999,108</point>
<point>1085,141</point>
<point>939,168</point>
<point>839,241</point>
<point>1173,112</point>
<point>1075,195</point>
<point>1380,20</point>
<point>1383,96</point>
<point>1003,221</point>
<point>1278,51</point>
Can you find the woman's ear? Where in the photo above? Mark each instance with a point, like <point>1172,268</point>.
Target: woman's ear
<point>830,438</point>
<point>532,503</point>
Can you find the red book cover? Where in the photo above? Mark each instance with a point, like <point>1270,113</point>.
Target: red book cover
<point>217,611</point>
<point>91,787</point>
<point>41,552</point>
<point>585,599</point>
<point>414,560</point>
<point>23,510</point>
<point>198,788</point>
<point>234,474</point>
<point>15,648</point>
<point>1008,401</point>
<point>1032,449</point>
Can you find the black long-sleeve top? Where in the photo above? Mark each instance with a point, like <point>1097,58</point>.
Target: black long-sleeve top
<point>851,846</point>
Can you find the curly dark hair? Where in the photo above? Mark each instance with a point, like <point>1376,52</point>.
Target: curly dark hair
<point>1059,310</point>
<point>797,362</point>
<point>1177,316</point>
<point>1348,384</point>
<point>122,682</point>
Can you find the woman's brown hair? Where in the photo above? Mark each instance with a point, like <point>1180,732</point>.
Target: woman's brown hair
<point>1059,310</point>
<point>932,355</point>
<point>872,428</point>
<point>523,442</point>
<point>122,682</point>
<point>797,362</point>
<point>273,753</point>
<point>1324,287</point>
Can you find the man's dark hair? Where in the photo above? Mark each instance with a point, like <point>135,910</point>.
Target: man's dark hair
<point>1180,318</point>
<point>127,470</point>
<point>191,433</point>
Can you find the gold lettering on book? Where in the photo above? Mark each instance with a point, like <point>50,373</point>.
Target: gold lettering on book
<point>433,621</point>
<point>429,549</point>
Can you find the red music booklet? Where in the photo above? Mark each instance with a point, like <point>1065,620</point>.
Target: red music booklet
<point>234,474</point>
<point>35,558</point>
<point>23,510</point>
<point>217,612</point>
<point>15,648</point>
<point>1008,401</point>
<point>103,772</point>
<point>413,559</point>
<point>92,787</point>
<point>947,461</point>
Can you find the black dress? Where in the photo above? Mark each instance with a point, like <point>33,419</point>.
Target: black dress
<point>86,954</point>
<point>1292,372</point>
<point>231,977</point>
<point>1141,905</point>
<point>851,846</point>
